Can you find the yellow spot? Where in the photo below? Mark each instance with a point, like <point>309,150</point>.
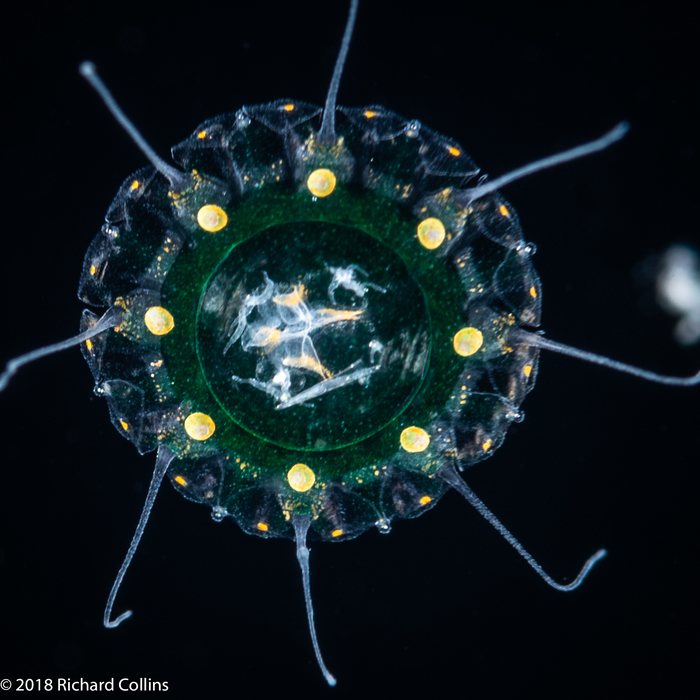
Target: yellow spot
<point>266,336</point>
<point>370,113</point>
<point>336,533</point>
<point>333,315</point>
<point>124,424</point>
<point>431,233</point>
<point>202,135</point>
<point>293,298</point>
<point>300,477</point>
<point>181,480</point>
<point>454,151</point>
<point>414,439</point>
<point>135,185</point>
<point>289,107</point>
<point>159,320</point>
<point>88,344</point>
<point>425,500</point>
<point>263,527</point>
<point>212,218</point>
<point>467,341</point>
<point>527,369</point>
<point>307,362</point>
<point>93,269</point>
<point>199,426</point>
<point>504,210</point>
<point>321,182</point>
<point>533,292</point>
<point>487,445</point>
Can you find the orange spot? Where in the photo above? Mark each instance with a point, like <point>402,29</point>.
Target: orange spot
<point>332,315</point>
<point>487,445</point>
<point>266,336</point>
<point>527,370</point>
<point>88,344</point>
<point>369,113</point>
<point>262,527</point>
<point>93,269</point>
<point>504,210</point>
<point>135,185</point>
<point>181,480</point>
<point>307,362</point>
<point>124,424</point>
<point>293,298</point>
<point>289,107</point>
<point>425,500</point>
<point>533,292</point>
<point>201,134</point>
<point>337,533</point>
<point>454,151</point>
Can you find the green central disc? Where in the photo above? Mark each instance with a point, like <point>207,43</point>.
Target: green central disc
<point>313,336</point>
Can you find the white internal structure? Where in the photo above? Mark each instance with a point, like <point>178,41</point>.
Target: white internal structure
<point>280,325</point>
<point>678,291</point>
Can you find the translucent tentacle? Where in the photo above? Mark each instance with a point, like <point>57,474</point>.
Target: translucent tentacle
<point>301,527</point>
<point>89,71</point>
<point>110,319</point>
<point>585,149</point>
<point>449,474</point>
<point>538,341</point>
<point>163,460</point>
<point>327,133</point>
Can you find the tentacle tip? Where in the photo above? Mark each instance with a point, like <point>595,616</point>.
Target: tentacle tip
<point>115,623</point>
<point>599,555</point>
<point>87,68</point>
<point>332,682</point>
<point>620,130</point>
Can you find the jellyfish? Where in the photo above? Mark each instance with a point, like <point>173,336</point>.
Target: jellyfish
<point>324,286</point>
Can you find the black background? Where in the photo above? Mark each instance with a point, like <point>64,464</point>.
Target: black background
<point>442,603</point>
